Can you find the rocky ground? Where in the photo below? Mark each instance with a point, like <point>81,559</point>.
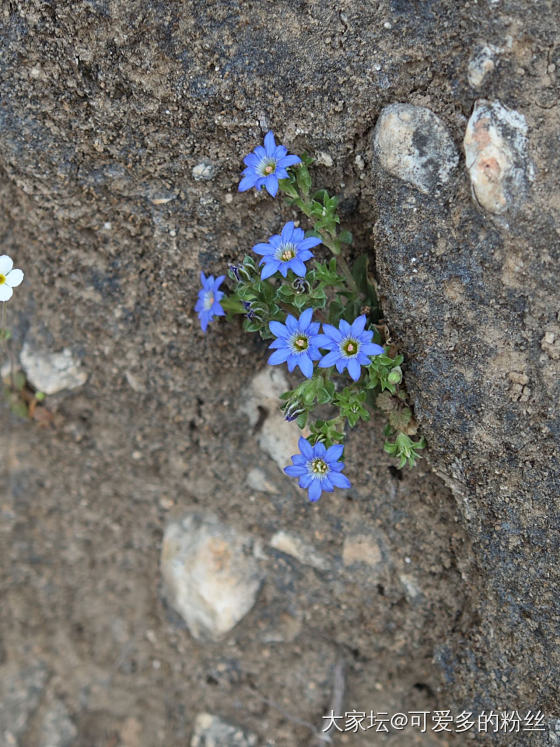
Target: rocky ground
<point>158,448</point>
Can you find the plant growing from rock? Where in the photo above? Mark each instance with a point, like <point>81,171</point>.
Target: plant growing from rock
<point>322,317</point>
<point>22,399</point>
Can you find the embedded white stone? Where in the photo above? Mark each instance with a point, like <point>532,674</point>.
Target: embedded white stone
<point>210,574</point>
<point>51,372</point>
<point>414,145</point>
<point>276,436</point>
<point>497,159</point>
<point>482,62</point>
<point>292,545</point>
<point>212,731</point>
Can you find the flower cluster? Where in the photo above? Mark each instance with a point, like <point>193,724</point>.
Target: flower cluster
<point>350,346</point>
<point>281,289</point>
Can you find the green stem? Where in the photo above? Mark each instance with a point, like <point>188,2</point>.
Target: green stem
<point>304,203</point>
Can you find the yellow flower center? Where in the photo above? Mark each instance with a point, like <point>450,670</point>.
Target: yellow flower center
<point>2,279</point>
<point>301,343</point>
<point>319,466</point>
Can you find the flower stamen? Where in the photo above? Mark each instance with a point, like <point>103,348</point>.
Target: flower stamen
<point>2,279</point>
<point>319,466</point>
<point>350,347</point>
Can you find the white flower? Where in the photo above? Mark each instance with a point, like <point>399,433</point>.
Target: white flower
<point>9,278</point>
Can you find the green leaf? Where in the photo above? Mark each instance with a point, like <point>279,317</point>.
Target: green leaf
<point>302,420</point>
<point>303,179</point>
<point>287,186</point>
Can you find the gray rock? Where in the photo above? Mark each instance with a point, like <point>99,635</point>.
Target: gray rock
<point>204,171</point>
<point>57,728</point>
<point>210,574</point>
<point>414,145</point>
<point>473,304</point>
<point>497,158</point>
<point>51,372</point>
<point>20,694</point>
<point>212,731</point>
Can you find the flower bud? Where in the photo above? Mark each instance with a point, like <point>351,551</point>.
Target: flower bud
<point>395,375</point>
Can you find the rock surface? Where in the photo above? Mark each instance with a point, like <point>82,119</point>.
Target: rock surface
<point>108,108</point>
<point>470,299</point>
<point>414,145</point>
<point>210,575</point>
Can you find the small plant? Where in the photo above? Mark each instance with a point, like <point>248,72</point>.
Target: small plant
<point>20,396</point>
<point>322,317</point>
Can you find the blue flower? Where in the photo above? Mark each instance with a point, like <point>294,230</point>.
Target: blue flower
<point>350,346</point>
<point>318,468</point>
<point>287,251</point>
<point>265,166</point>
<point>208,304</point>
<point>295,343</point>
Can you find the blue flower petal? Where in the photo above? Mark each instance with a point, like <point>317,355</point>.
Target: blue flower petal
<point>344,327</point>
<point>265,249</point>
<point>295,470</point>
<point>339,480</point>
<point>314,491</point>
<point>305,481</point>
<point>322,341</point>
<point>354,369</point>
<point>334,453</point>
<point>271,185</point>
<point>280,342</point>
<point>306,366</point>
<point>340,365</point>
<point>291,324</point>
<point>252,160</point>
<point>371,348</point>
<point>288,161</point>
<point>358,325</point>
<point>279,356</point>
<point>309,243</point>
<point>269,269</point>
<point>305,448</point>
<point>246,183</point>
<point>337,466</point>
<point>297,267</point>
<point>269,144</point>
<point>332,332</point>
<point>287,231</point>
<point>278,329</point>
<point>330,359</point>
<point>299,459</point>
<point>320,449</point>
<point>305,318</point>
